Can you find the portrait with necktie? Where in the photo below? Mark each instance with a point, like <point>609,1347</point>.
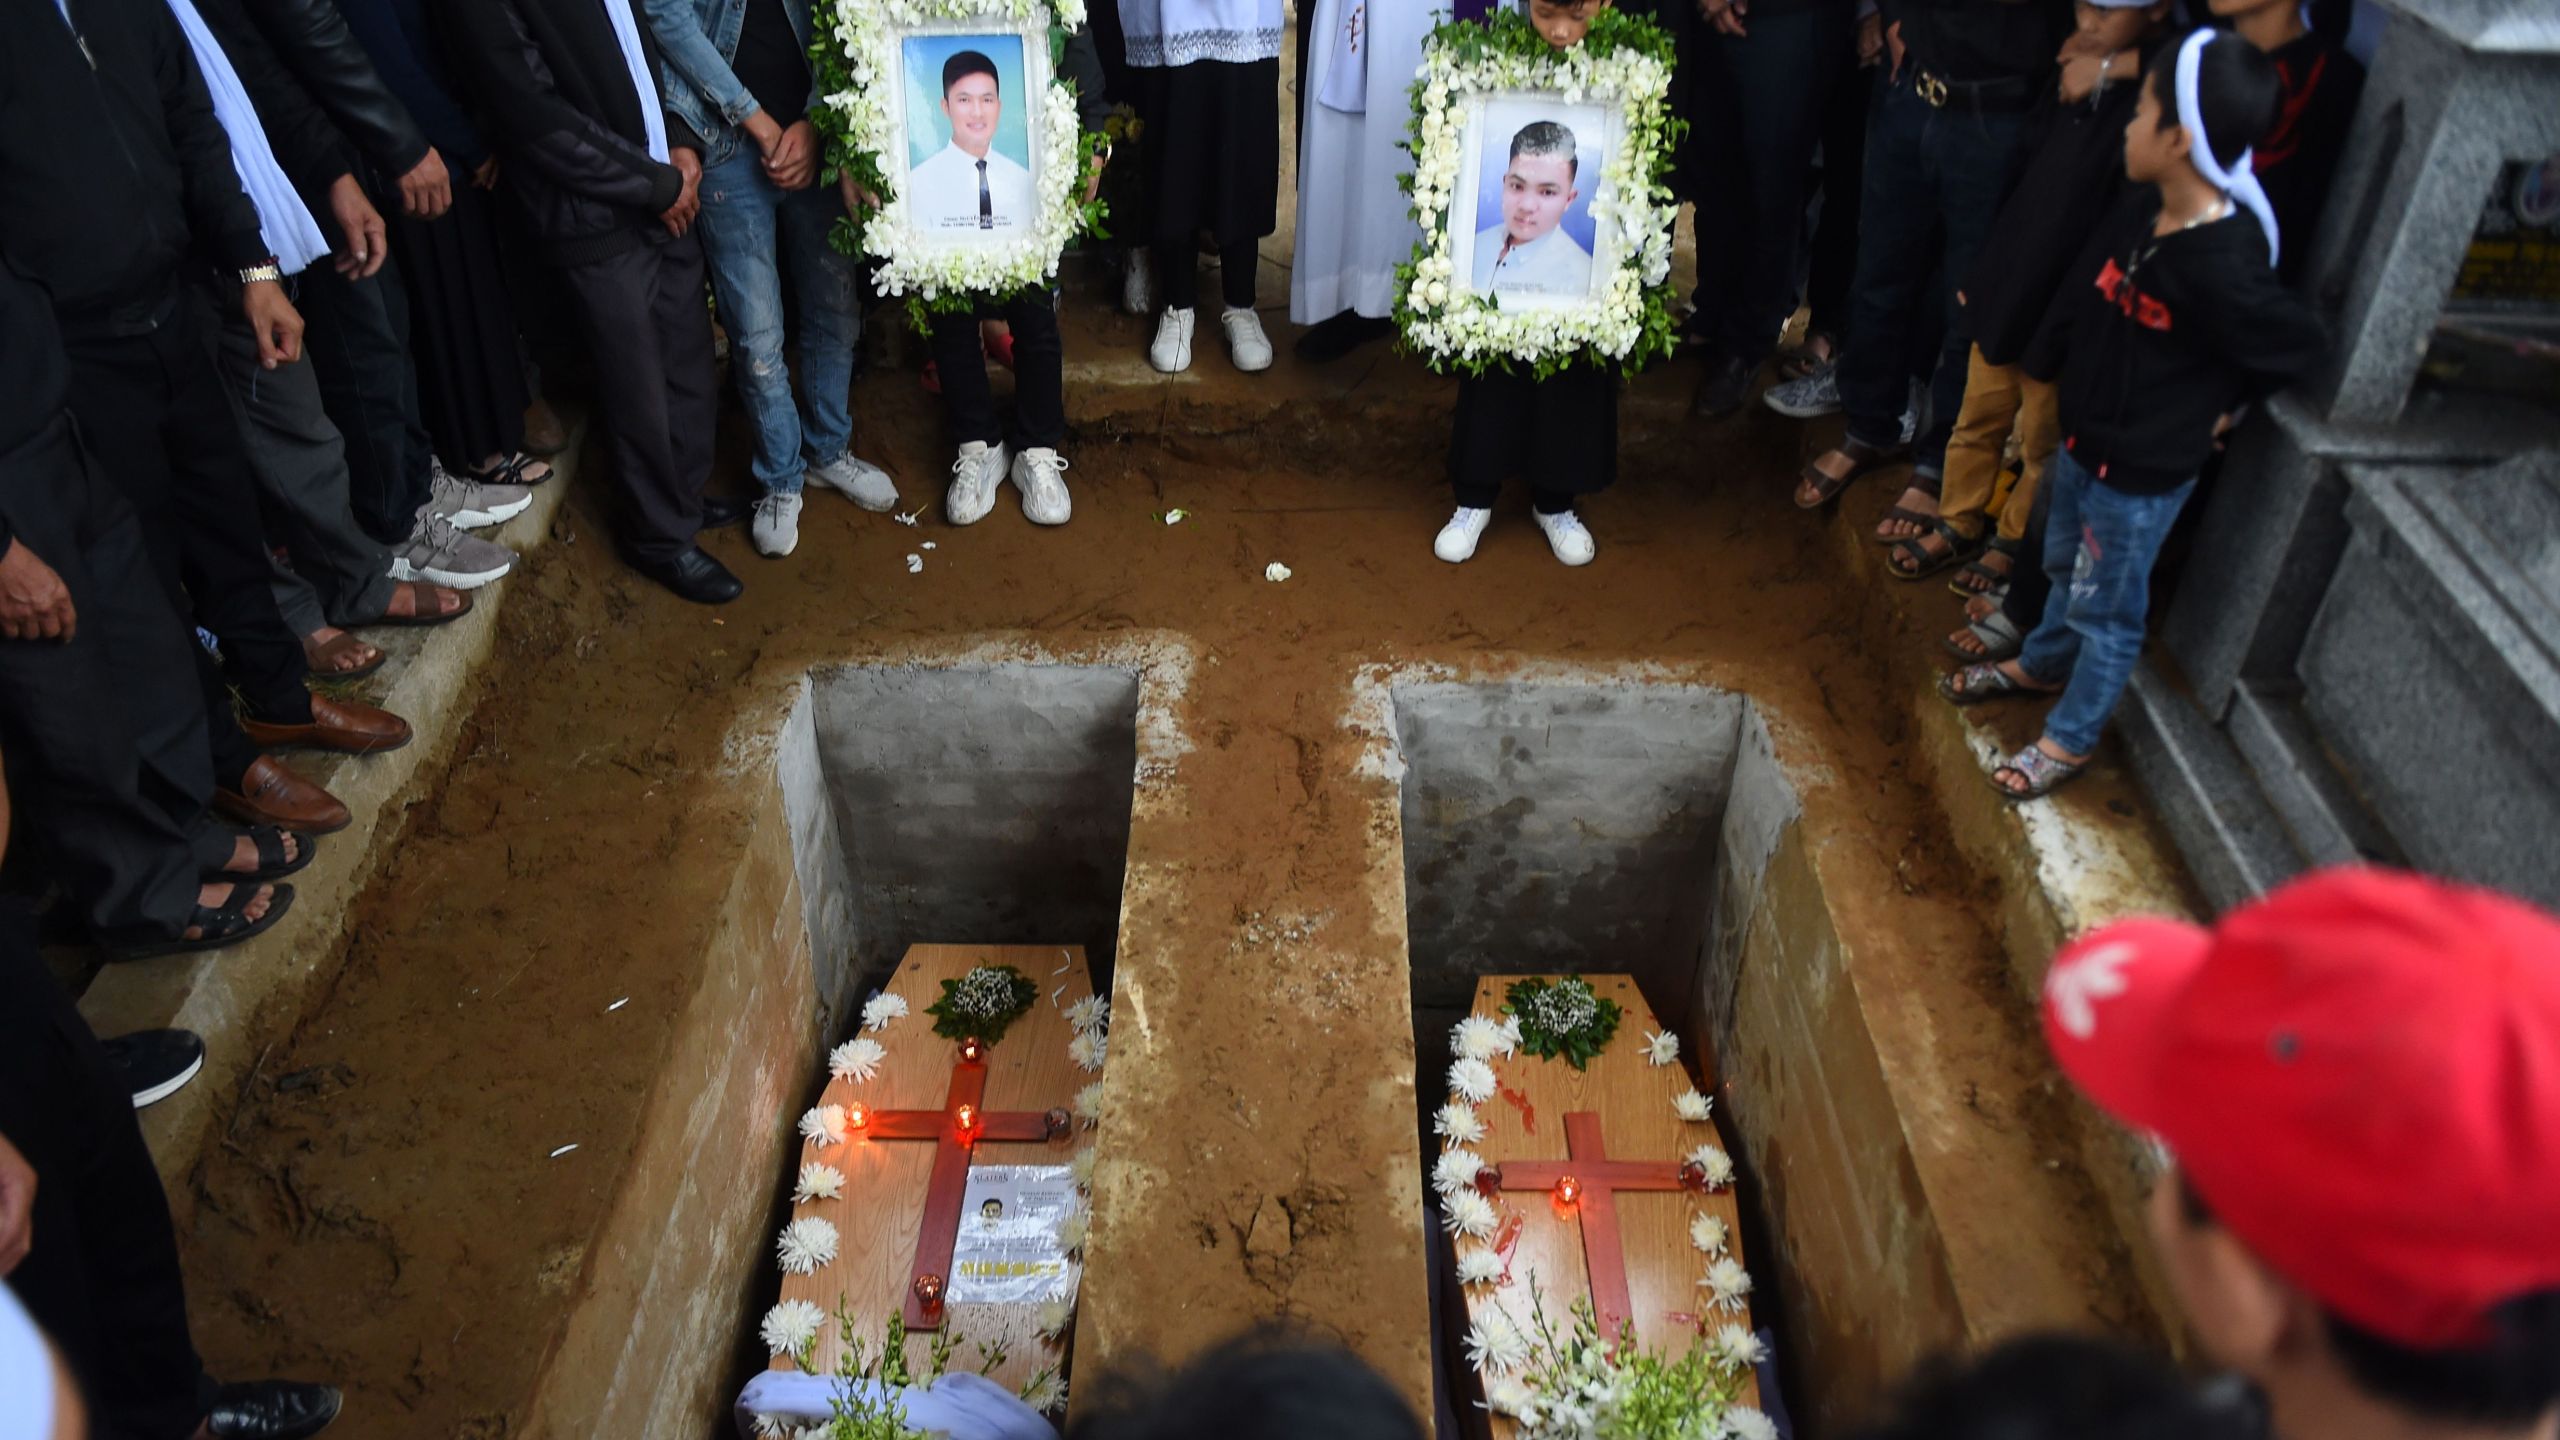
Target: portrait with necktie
<point>968,137</point>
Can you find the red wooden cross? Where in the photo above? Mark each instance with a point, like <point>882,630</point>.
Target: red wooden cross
<point>1599,1178</point>
<point>950,1182</point>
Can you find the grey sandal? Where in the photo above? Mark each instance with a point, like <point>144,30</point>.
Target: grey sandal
<point>1975,684</point>
<point>2041,771</point>
<point>2000,640</point>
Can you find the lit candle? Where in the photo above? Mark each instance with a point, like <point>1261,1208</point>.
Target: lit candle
<point>857,1116</point>
<point>1568,1191</point>
<point>973,1050</point>
<point>967,1116</point>
<point>929,1292</point>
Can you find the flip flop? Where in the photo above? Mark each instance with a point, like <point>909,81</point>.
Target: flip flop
<point>1975,684</point>
<point>2000,641</point>
<point>220,925</point>
<point>1864,459</point>
<point>2041,771</point>
<point>323,658</point>
<point>418,589</point>
<point>273,864</point>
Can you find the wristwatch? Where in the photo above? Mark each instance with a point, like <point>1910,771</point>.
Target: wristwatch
<point>266,269</point>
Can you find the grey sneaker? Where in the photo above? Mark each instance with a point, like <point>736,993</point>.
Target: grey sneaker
<point>1041,475</point>
<point>777,525</point>
<point>441,555</point>
<point>470,505</point>
<point>867,484</point>
<point>1810,395</point>
<point>974,478</point>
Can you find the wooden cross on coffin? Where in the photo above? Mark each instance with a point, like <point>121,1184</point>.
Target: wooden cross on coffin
<point>955,1129</point>
<point>1595,1179</point>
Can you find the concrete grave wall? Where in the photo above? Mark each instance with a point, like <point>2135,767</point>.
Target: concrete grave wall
<point>983,804</point>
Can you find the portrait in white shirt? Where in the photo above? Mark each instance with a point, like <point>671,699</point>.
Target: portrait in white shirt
<point>974,184</point>
<point>1528,250</point>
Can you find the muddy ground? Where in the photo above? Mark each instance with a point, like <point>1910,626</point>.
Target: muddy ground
<point>380,1210</point>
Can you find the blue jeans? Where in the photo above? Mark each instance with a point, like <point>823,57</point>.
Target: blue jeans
<point>1929,171</point>
<point>750,230</point>
<point>2098,547</point>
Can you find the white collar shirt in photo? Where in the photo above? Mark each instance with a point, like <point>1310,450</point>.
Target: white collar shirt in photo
<point>953,192</point>
<point>1553,264</point>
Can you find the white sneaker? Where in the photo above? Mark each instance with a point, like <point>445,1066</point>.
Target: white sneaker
<point>1171,352</point>
<point>777,525</point>
<point>1040,473</point>
<point>1566,536</point>
<point>1457,542</point>
<point>1246,344</point>
<point>1138,282</point>
<point>438,554</point>
<point>470,505</point>
<point>866,484</point>
<point>974,478</point>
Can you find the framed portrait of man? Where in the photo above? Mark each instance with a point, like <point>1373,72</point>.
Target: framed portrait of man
<point>1533,176</point>
<point>972,99</point>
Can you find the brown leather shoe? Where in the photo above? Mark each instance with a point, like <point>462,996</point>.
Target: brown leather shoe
<point>270,794</point>
<point>335,725</point>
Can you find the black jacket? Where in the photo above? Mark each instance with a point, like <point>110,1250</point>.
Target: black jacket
<point>309,148</point>
<point>113,170</point>
<point>408,53</point>
<point>314,41</point>
<point>2166,335</point>
<point>558,102</point>
<point>2299,157</point>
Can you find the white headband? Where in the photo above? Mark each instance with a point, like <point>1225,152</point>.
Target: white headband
<point>2240,182</point>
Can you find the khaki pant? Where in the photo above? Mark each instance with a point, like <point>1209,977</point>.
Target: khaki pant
<point>1998,399</point>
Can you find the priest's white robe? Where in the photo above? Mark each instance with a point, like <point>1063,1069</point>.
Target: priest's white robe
<point>1355,226</point>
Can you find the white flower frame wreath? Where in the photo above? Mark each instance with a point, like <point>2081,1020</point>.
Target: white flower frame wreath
<point>1623,64</point>
<point>861,85</point>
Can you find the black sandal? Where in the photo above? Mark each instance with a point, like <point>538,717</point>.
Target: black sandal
<point>1962,585</point>
<point>1864,460</point>
<point>510,471</point>
<point>220,925</point>
<point>1911,559</point>
<point>273,863</point>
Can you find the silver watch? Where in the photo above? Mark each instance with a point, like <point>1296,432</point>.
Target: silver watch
<point>267,270</point>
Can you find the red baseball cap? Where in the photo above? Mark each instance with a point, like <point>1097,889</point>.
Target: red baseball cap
<point>2359,1075</point>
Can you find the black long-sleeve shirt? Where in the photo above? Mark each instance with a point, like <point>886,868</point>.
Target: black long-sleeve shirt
<point>113,169</point>
<point>2156,337</point>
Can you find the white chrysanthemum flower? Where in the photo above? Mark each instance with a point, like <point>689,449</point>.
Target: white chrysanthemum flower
<point>857,1059</point>
<point>1090,1013</point>
<point>790,1326</point>
<point>806,1244</point>
<point>1457,1124</point>
<point>1071,1231</point>
<point>1456,1170</point>
<point>1467,1213</point>
<point>1471,1081</point>
<point>1736,1348</point>
<point>1479,1266</point>
<point>1694,1107</point>
<point>776,1427</point>
<point>1086,1049</point>
<point>1661,1047</point>
<point>823,1125</point>
<point>1511,1031</point>
<point>1717,1165</point>
<point>1744,1423</point>
<point>1089,1105</point>
<point>1707,1232</point>
<point>882,1008</point>
<point>1726,1284</point>
<point>1055,1315</point>
<point>817,1182</point>
<point>1509,1397</point>
<point>1478,1038</point>
<point>1495,1346</point>
<point>1046,1393</point>
<point>1081,1168</point>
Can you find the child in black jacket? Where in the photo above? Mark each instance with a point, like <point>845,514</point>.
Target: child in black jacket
<point>2181,323</point>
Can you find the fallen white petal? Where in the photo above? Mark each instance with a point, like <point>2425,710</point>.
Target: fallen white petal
<point>563,1150</point>
<point>1275,572</point>
<point>915,564</point>
<point>618,1004</point>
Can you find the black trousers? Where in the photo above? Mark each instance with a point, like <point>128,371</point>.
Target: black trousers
<point>1831,252</point>
<point>1560,434</point>
<point>105,733</point>
<point>1039,374</point>
<point>103,1277</point>
<point>648,328</point>
<point>159,424</point>
<point>1762,97</point>
<point>358,334</point>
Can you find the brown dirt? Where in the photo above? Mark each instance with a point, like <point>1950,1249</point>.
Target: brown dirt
<point>381,1211</point>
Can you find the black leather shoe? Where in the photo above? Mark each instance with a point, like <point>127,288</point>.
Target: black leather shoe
<point>1727,385</point>
<point>719,512</point>
<point>271,1410</point>
<point>156,1063</point>
<point>695,576</point>
<point>1339,335</point>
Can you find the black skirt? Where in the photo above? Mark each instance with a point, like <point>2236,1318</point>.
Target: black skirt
<point>1559,434</point>
<point>471,386</point>
<point>1212,144</point>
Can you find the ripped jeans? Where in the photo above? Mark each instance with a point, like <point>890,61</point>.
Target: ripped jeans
<point>752,231</point>
<point>2099,543</point>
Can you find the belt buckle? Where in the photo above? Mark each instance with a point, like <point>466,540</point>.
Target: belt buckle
<point>1932,89</point>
